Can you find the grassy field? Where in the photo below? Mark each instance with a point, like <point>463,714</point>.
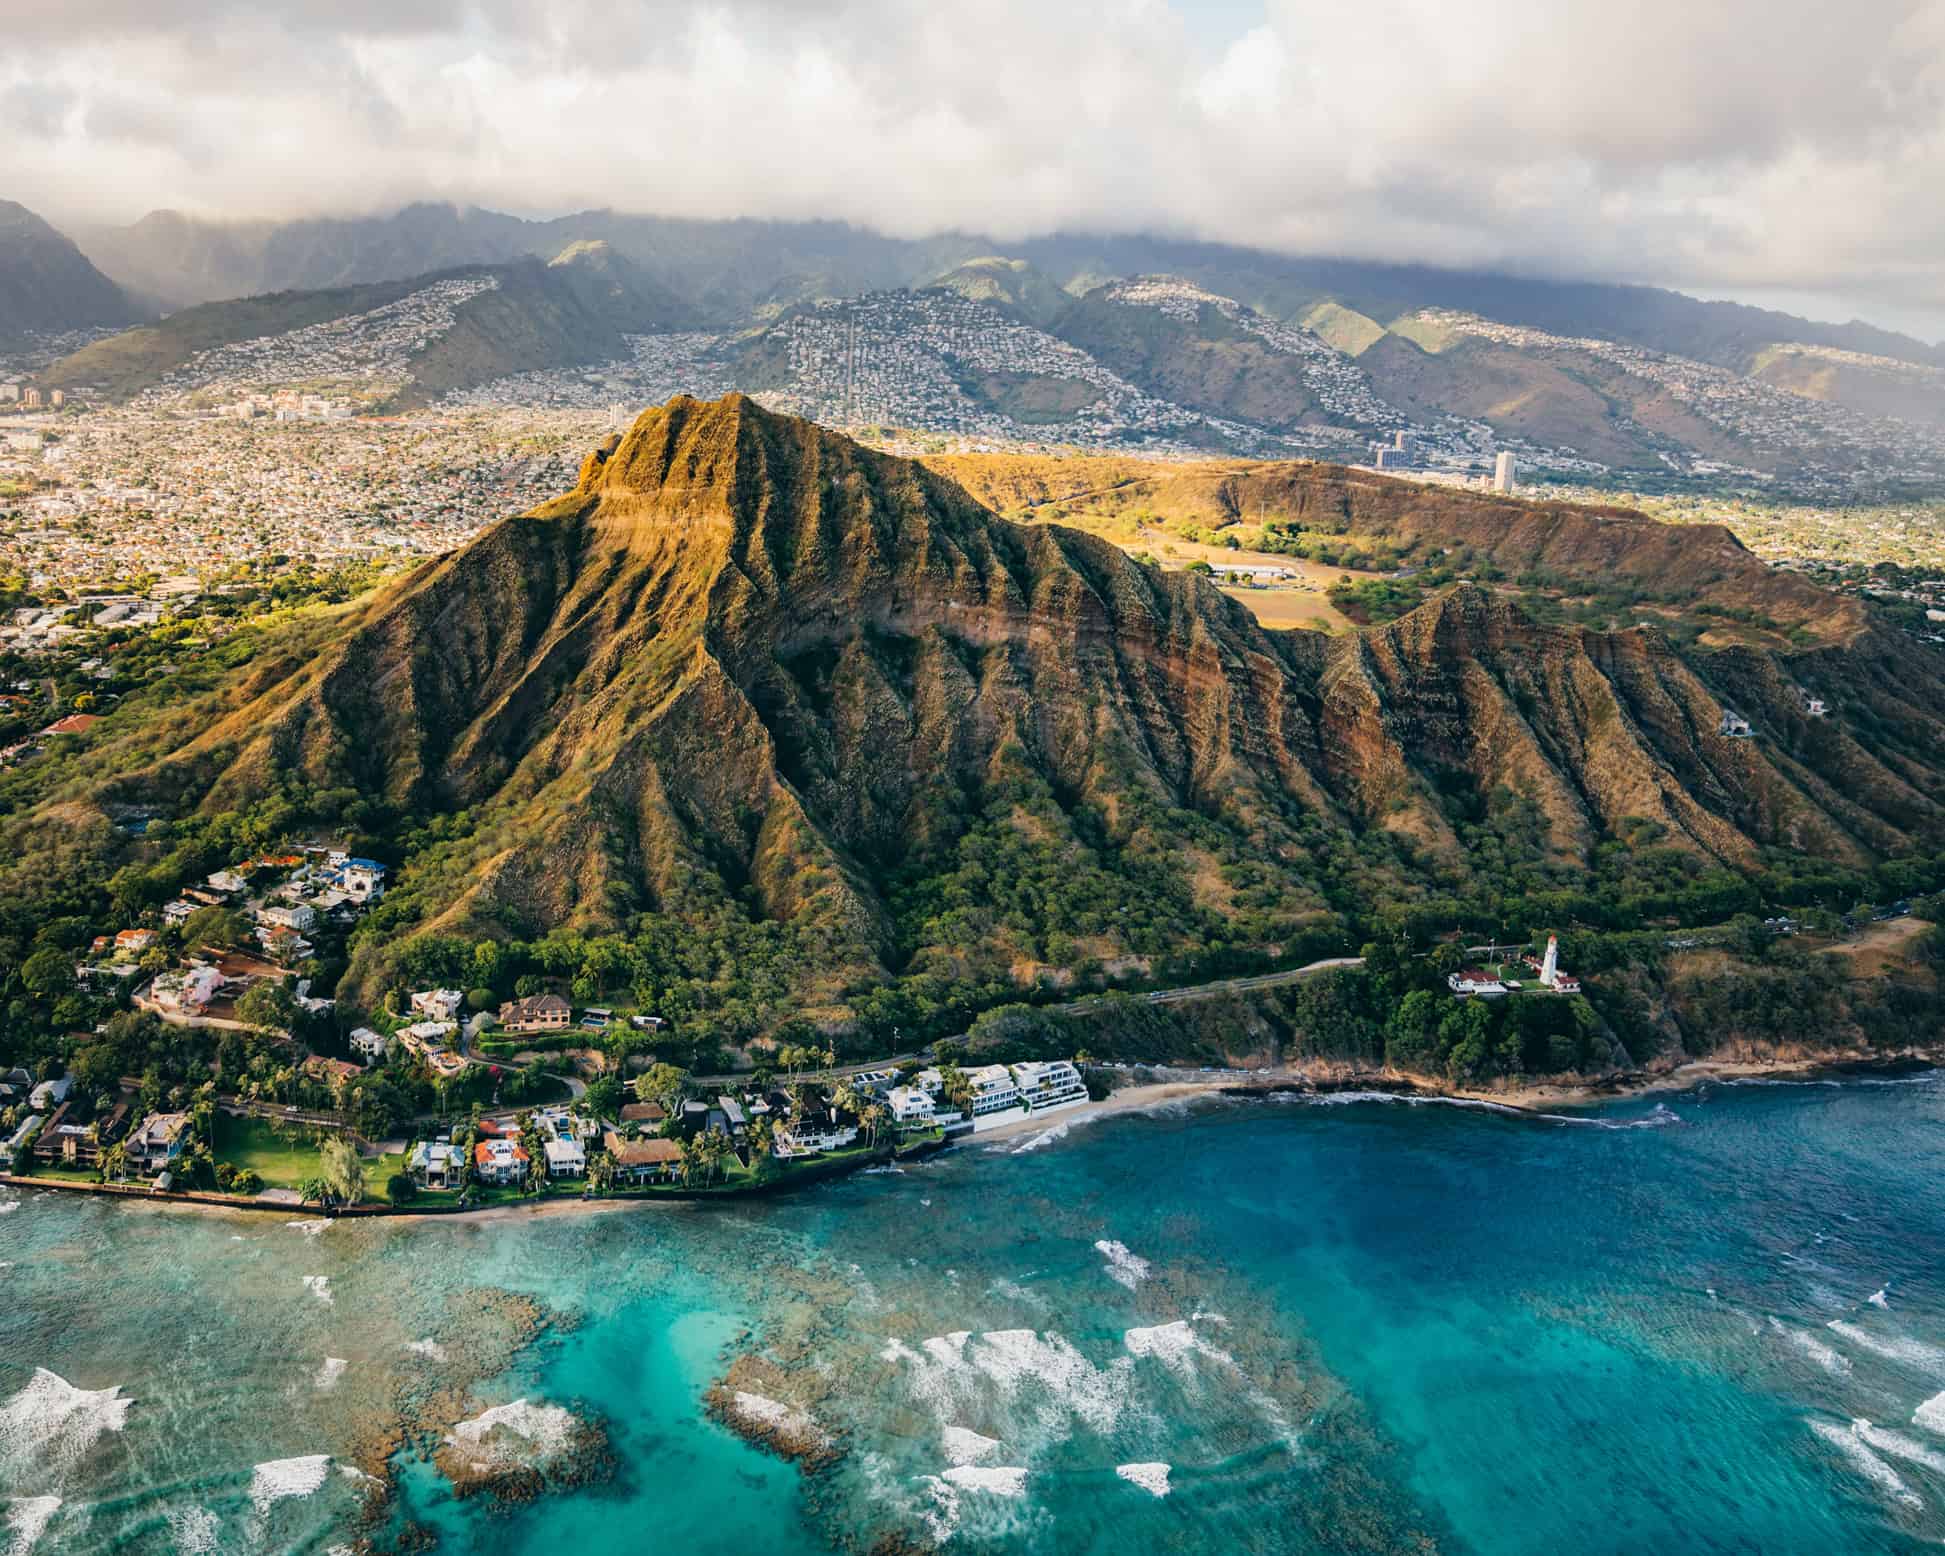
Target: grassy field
<point>284,1156</point>
<point>1280,608</point>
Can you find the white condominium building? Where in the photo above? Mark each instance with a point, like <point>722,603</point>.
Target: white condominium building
<point>993,1089</point>
<point>1045,1085</point>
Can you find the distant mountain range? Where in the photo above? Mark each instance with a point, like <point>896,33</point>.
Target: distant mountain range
<point>1103,341</point>
<point>47,285</point>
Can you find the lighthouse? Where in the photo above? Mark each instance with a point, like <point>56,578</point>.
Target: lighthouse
<point>1550,968</point>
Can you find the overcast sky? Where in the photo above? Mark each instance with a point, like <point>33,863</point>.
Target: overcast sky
<point>1780,150</point>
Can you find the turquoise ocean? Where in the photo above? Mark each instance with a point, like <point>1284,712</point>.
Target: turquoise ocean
<point>1712,1321</point>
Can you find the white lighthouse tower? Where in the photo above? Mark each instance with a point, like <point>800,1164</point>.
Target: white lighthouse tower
<point>1550,968</point>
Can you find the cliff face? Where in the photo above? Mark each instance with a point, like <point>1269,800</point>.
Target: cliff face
<point>747,663</point>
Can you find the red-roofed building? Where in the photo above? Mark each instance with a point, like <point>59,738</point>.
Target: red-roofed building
<point>73,724</point>
<point>499,1161</point>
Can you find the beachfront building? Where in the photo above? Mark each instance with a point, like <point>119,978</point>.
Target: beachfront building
<point>433,1165</point>
<point>910,1105</point>
<point>158,1142</point>
<point>643,1161</point>
<point>565,1158</point>
<point>813,1133</point>
<point>993,1090</point>
<point>500,1162</point>
<point>1051,1084</point>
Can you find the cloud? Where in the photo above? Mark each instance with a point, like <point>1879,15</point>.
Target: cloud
<point>1783,145</point>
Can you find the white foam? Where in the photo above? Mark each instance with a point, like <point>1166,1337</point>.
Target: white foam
<point>1151,1477</point>
<point>955,1374</point>
<point>546,1429</point>
<point>309,1228</point>
<point>278,1480</point>
<point>329,1373</point>
<point>1846,1441</point>
<point>1000,1480</point>
<point>1045,1137</point>
<point>1900,1446</point>
<point>1123,1266</point>
<point>428,1348</point>
<point>965,1446</point>
<point>760,1410</point>
<point>7,1207</point>
<point>27,1521</point>
<point>1832,1361</point>
<point>319,1286</point>
<point>195,1530</point>
<point>50,1423</point>
<point>1931,1415</point>
<point>1879,1298</point>
<point>1661,1116</point>
<point>1914,1354</point>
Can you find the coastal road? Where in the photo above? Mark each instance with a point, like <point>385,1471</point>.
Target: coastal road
<point>1094,1004</point>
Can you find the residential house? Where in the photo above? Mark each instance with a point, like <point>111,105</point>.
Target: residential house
<point>536,1013</point>
<point>650,1115</point>
<point>909,1105</point>
<point>427,1039</point>
<point>50,1094</point>
<point>501,1162</point>
<point>370,1044</point>
<point>596,1018</point>
<point>294,916</point>
<point>186,993</point>
<point>643,1161</point>
<point>178,912</point>
<point>228,883</point>
<point>814,1131</point>
<point>65,1141</point>
<point>332,1072</point>
<point>433,1165</point>
<point>565,1158</point>
<point>155,1146</point>
<point>439,1004</point>
<point>363,879</point>
<point>731,1112</point>
<point>135,941</point>
<point>1474,980</point>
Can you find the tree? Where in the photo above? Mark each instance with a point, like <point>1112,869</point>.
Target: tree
<point>267,1005</point>
<point>660,1083</point>
<point>48,973</point>
<point>214,926</point>
<point>342,1169</point>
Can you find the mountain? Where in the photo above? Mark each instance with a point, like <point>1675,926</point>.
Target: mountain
<point>183,260</point>
<point>47,284</point>
<point>1011,284</point>
<point>396,343</point>
<point>818,708</point>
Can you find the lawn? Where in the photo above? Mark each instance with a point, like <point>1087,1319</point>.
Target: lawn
<point>285,1155</point>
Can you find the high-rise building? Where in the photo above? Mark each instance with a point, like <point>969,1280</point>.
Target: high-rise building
<point>1503,473</point>
<point>31,398</point>
<point>57,398</point>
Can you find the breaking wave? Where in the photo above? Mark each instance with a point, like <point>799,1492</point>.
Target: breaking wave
<point>1124,1267</point>
<point>50,1424</point>
<point>1661,1116</point>
<point>27,1521</point>
<point>1151,1477</point>
<point>319,1286</point>
<point>1826,1357</point>
<point>1907,1352</point>
<point>1846,1441</point>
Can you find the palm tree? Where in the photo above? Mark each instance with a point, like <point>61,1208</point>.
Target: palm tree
<point>875,1118</point>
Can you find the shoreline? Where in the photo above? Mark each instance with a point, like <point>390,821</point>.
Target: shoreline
<point>1139,1097</point>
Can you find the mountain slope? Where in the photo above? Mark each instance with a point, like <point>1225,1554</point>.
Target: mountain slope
<point>400,342</point>
<point>747,672</point>
<point>47,284</point>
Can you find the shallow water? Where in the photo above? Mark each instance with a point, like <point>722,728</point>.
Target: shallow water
<point>1715,1324</point>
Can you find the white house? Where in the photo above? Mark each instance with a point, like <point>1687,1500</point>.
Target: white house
<point>501,1161</point>
<point>187,993</point>
<point>806,1137</point>
<point>369,1043</point>
<point>228,883</point>
<point>439,1004</point>
<point>566,1159</point>
<point>295,916</point>
<point>431,1163</point>
<point>909,1105</point>
<point>363,878</point>
<point>1474,980</point>
<point>179,911</point>
<point>50,1093</point>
